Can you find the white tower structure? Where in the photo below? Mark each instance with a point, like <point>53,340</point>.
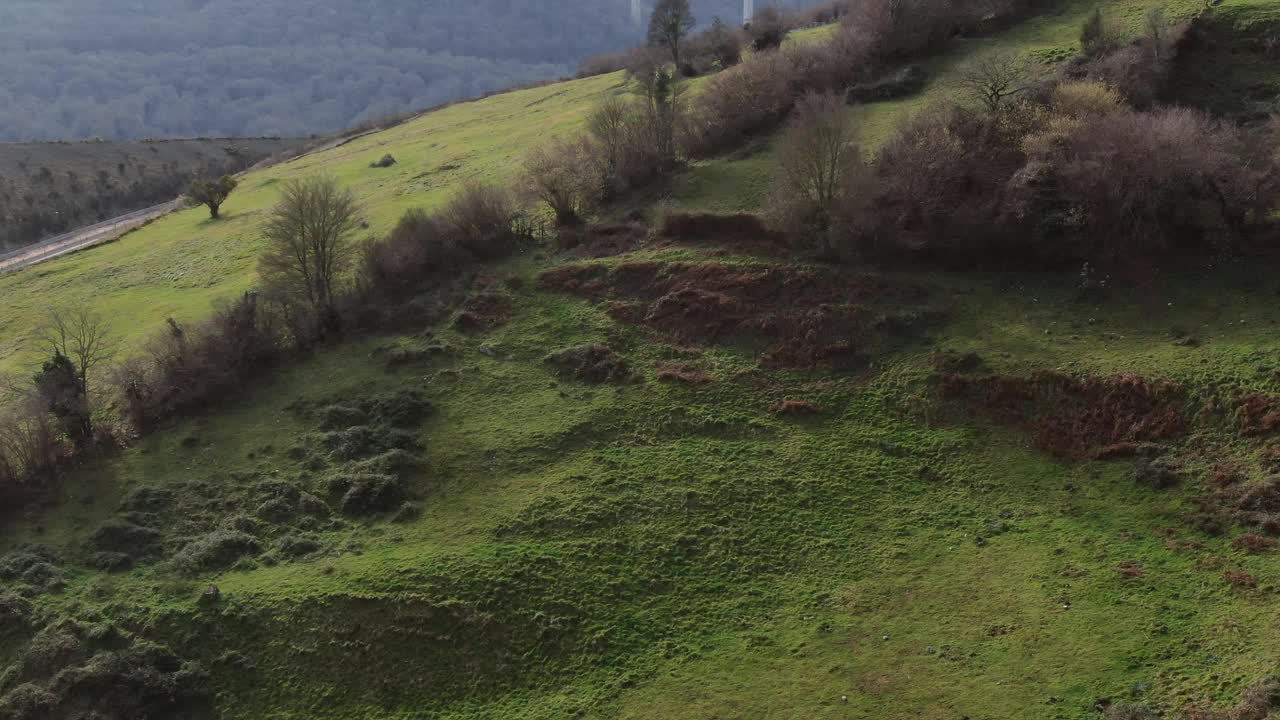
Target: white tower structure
<point>748,10</point>
<point>635,12</point>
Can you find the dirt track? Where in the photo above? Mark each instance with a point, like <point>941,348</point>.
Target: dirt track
<point>82,238</point>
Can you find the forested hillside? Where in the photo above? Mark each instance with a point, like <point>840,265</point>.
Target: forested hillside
<point>77,69</point>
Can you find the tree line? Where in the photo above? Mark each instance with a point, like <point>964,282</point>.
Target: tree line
<point>79,69</point>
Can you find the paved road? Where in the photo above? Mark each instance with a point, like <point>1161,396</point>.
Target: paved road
<point>82,238</point>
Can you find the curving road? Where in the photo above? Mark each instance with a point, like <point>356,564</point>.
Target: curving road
<point>83,237</point>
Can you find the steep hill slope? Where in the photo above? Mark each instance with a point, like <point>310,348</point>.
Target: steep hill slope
<point>49,188</point>
<point>1000,501</point>
<point>179,266</point>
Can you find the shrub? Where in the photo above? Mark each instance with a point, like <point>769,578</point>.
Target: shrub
<point>405,408</point>
<point>30,446</point>
<point>124,536</point>
<point>364,441</point>
<point>15,612</point>
<point>593,363</point>
<point>1080,99</point>
<point>560,175</point>
<point>1139,70</point>
<point>1252,543</point>
<point>296,546</point>
<point>16,563</point>
<point>418,246</point>
<point>481,219</point>
<point>939,185</point>
<point>366,494</point>
<point>818,164</point>
<point>767,28</point>
<point>715,48</point>
<point>133,681</point>
<point>743,100</point>
<point>148,498</point>
<point>1137,185</point>
<point>184,369</point>
<point>1239,579</point>
<point>216,550</point>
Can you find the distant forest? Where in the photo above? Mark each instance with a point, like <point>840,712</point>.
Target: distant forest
<point>129,69</point>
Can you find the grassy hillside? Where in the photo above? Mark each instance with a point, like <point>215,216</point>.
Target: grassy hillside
<point>50,188</point>
<point>682,543</point>
<point>177,267</point>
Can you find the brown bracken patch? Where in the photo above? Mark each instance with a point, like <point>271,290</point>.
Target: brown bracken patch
<point>485,307</point>
<point>804,317</point>
<point>739,231</point>
<point>1240,579</point>
<point>601,239</point>
<point>1130,569</point>
<point>1254,505</point>
<point>795,407</point>
<point>1258,414</point>
<point>682,372</point>
<point>1252,543</point>
<point>1078,417</point>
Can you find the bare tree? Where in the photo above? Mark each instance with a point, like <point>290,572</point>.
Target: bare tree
<point>662,102</point>
<point>607,125</point>
<point>309,246</point>
<point>995,79</point>
<point>818,159</point>
<point>82,336</point>
<point>558,175</point>
<point>671,21</point>
<point>75,341</point>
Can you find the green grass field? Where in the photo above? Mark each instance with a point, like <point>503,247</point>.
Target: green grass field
<point>653,549</point>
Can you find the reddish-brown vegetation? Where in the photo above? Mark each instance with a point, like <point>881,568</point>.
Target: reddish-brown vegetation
<point>795,407</point>
<point>1258,414</point>
<point>1078,417</point>
<point>807,317</point>
<point>1240,579</point>
<point>601,240</point>
<point>682,372</point>
<point>1254,505</point>
<point>739,231</point>
<point>1223,475</point>
<point>1252,543</point>
<point>1130,569</point>
<point>485,308</point>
